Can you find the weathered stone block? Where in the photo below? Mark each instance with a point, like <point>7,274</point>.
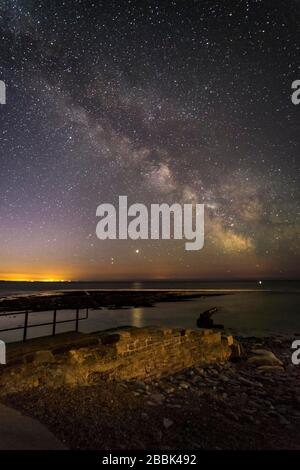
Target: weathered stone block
<point>228,339</point>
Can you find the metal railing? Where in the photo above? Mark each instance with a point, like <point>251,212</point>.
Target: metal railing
<point>53,323</point>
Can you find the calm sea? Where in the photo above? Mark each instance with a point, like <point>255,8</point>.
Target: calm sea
<point>247,308</point>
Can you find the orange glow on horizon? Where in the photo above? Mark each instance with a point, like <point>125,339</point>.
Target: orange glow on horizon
<point>29,278</point>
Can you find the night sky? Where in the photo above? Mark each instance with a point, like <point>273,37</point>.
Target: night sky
<point>162,101</point>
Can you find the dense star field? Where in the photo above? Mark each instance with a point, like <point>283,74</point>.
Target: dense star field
<point>162,101</point>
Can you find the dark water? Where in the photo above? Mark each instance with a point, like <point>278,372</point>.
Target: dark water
<point>247,308</point>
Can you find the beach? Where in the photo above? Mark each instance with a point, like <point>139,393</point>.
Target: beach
<point>225,406</point>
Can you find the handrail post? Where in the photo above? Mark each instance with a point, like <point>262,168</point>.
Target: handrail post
<point>77,320</point>
<point>25,326</point>
<point>54,323</point>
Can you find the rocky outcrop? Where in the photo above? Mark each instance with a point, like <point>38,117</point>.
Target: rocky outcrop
<point>129,353</point>
<point>265,361</point>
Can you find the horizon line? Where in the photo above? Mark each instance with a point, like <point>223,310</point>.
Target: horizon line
<point>252,279</point>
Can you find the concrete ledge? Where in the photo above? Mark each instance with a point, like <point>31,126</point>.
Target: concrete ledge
<point>19,432</point>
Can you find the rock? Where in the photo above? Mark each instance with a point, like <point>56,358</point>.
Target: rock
<point>297,401</point>
<point>158,397</point>
<point>184,385</point>
<point>141,384</point>
<point>228,339</point>
<point>196,379</point>
<point>224,378</point>
<point>201,372</point>
<point>249,382</point>
<point>263,357</point>
<point>237,351</point>
<point>75,357</point>
<point>123,385</point>
<point>248,418</point>
<point>227,365</point>
<point>40,357</point>
<point>267,368</point>
<point>232,415</point>
<point>167,423</point>
<point>283,420</point>
<point>33,382</point>
<point>261,352</point>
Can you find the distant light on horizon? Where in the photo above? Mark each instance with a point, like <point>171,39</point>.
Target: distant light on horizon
<point>30,279</point>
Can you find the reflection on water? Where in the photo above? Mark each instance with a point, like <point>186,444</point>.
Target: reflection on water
<point>137,317</point>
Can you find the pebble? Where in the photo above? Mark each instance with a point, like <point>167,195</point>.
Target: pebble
<point>184,385</point>
<point>249,382</point>
<point>283,420</point>
<point>167,423</point>
<point>158,397</point>
<point>224,378</point>
<point>232,415</point>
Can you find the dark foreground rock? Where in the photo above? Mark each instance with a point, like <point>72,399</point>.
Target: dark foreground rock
<point>224,406</point>
<point>94,299</point>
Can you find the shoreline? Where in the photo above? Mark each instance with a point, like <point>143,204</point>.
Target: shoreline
<point>203,291</point>
<point>96,298</point>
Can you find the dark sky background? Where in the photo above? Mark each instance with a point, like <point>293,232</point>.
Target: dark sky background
<point>162,101</point>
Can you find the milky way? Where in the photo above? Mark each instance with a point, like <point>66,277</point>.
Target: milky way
<point>162,101</point>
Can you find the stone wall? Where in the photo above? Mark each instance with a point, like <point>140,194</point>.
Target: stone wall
<point>124,354</point>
